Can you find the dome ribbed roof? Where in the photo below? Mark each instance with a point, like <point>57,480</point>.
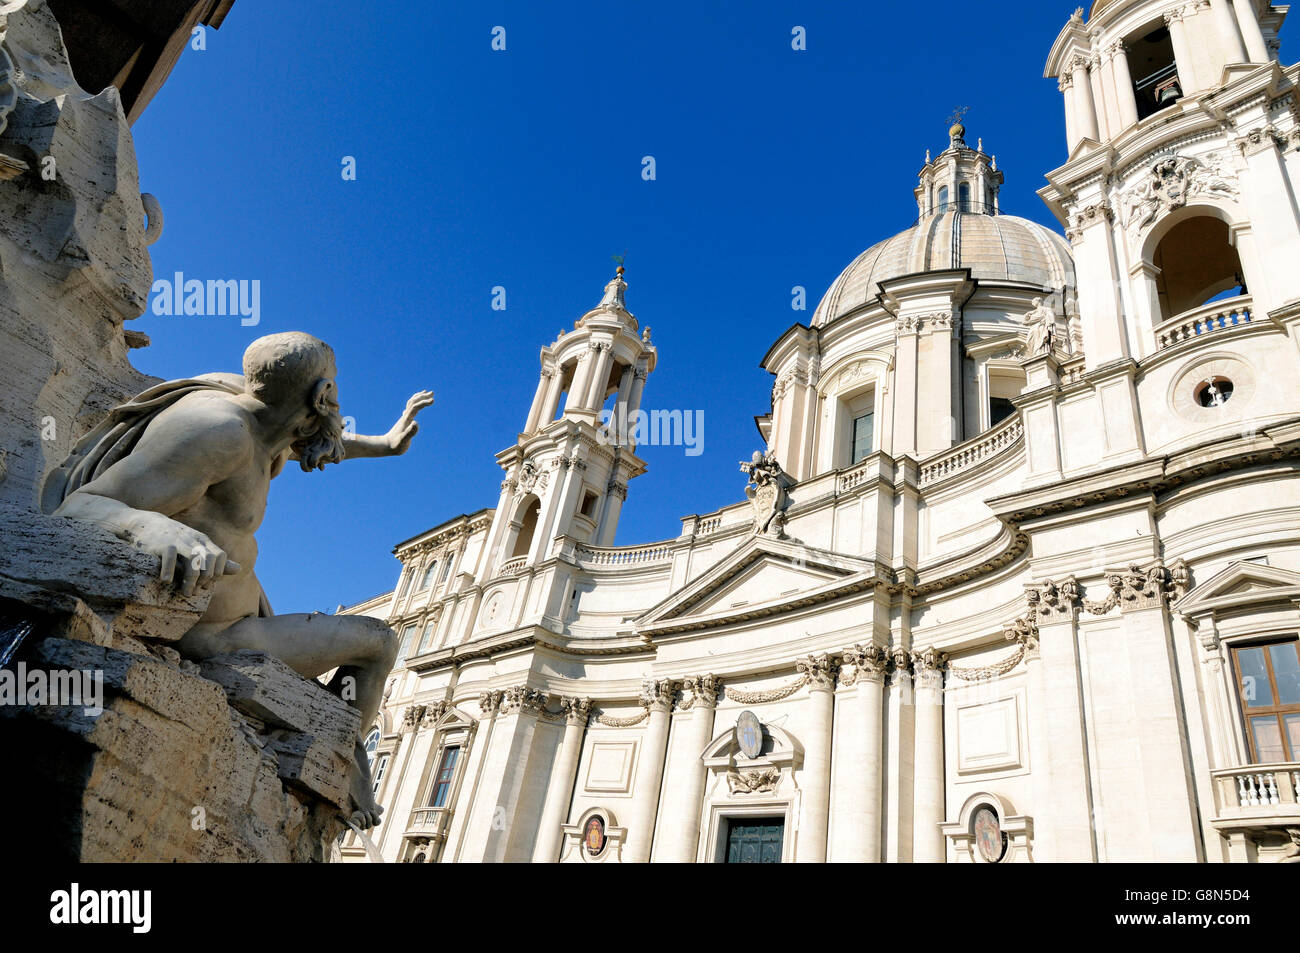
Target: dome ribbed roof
<point>994,247</point>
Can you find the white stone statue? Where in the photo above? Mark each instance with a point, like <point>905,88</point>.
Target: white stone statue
<point>183,470</point>
<point>766,488</point>
<point>1041,322</point>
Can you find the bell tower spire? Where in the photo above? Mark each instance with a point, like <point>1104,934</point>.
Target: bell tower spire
<point>566,476</point>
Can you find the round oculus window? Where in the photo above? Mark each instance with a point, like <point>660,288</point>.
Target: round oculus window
<point>1213,392</point>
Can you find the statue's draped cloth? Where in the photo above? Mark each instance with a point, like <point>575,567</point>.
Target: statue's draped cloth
<point>117,435</point>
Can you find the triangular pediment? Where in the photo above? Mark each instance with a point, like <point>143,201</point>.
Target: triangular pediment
<point>764,576</point>
<point>1240,584</point>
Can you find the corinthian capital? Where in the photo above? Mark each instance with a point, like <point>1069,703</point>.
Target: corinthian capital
<point>819,670</point>
<point>869,663</point>
<point>521,698</point>
<point>704,689</point>
<point>576,710</point>
<point>1138,588</point>
<point>1051,601</point>
<point>489,703</point>
<point>657,694</point>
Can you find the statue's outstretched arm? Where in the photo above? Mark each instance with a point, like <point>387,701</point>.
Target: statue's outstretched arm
<point>398,439</point>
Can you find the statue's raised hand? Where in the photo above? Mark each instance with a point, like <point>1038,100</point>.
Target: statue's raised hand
<point>398,439</point>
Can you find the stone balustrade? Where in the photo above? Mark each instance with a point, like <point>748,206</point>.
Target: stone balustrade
<point>1217,316</point>
<point>992,442</point>
<point>1258,789</point>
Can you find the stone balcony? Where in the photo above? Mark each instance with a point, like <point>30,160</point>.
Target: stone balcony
<point>427,824</point>
<point>1255,806</point>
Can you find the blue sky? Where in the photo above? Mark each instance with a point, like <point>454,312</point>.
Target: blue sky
<point>522,169</point>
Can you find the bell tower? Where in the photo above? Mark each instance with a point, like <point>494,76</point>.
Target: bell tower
<point>1179,192</point>
<point>566,476</point>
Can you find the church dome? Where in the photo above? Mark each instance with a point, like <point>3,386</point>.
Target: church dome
<point>960,226</point>
<point>996,248</point>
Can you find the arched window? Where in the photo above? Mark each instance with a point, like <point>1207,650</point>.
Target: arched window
<point>527,527</point>
<point>446,569</point>
<point>429,575</point>
<point>1197,264</point>
<point>963,196</point>
<point>943,199</point>
<point>372,743</point>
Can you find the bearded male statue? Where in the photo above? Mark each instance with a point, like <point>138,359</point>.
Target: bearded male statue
<point>182,472</point>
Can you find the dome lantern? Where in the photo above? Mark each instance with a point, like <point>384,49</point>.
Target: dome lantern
<point>958,179</point>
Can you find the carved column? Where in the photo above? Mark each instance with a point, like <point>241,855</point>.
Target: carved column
<point>899,779</point>
<point>1085,110</point>
<point>492,824</point>
<point>550,830</point>
<point>858,821</point>
<point>1065,86</point>
<point>657,697</point>
<point>1174,19</point>
<point>1228,33</point>
<point>1271,203</point>
<point>539,400</point>
<point>930,808</point>
<point>1040,753</point>
<point>1069,832</point>
<point>595,396</point>
<point>1124,94</point>
<point>1253,36</point>
<point>684,792</point>
<point>523,787</point>
<point>814,813</point>
<point>1169,802</point>
<point>581,379</point>
<point>905,389</point>
<point>1096,79</point>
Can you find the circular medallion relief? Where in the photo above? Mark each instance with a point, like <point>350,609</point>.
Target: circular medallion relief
<point>749,734</point>
<point>988,835</point>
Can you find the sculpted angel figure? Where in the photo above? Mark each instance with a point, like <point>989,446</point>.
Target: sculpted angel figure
<point>1041,322</point>
<point>766,488</point>
<point>182,471</point>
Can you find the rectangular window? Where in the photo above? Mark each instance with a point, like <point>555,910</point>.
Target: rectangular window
<point>408,633</point>
<point>380,767</point>
<point>1268,682</point>
<point>426,638</point>
<point>442,780</point>
<point>862,437</point>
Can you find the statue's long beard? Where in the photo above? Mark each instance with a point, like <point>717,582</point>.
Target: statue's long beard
<point>322,443</point>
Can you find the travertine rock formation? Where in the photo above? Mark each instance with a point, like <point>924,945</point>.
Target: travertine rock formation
<point>242,760</point>
<point>73,260</point>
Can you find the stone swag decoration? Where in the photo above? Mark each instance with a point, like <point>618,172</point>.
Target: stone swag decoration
<point>182,472</point>
<point>766,490</point>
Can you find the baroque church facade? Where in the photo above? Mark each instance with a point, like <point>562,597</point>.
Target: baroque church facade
<point>1017,574</point>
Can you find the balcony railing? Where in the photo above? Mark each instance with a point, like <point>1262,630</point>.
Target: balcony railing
<point>513,567</point>
<point>1207,319</point>
<point>1258,790</point>
<point>990,443</point>
<point>427,822</point>
<point>625,556</point>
